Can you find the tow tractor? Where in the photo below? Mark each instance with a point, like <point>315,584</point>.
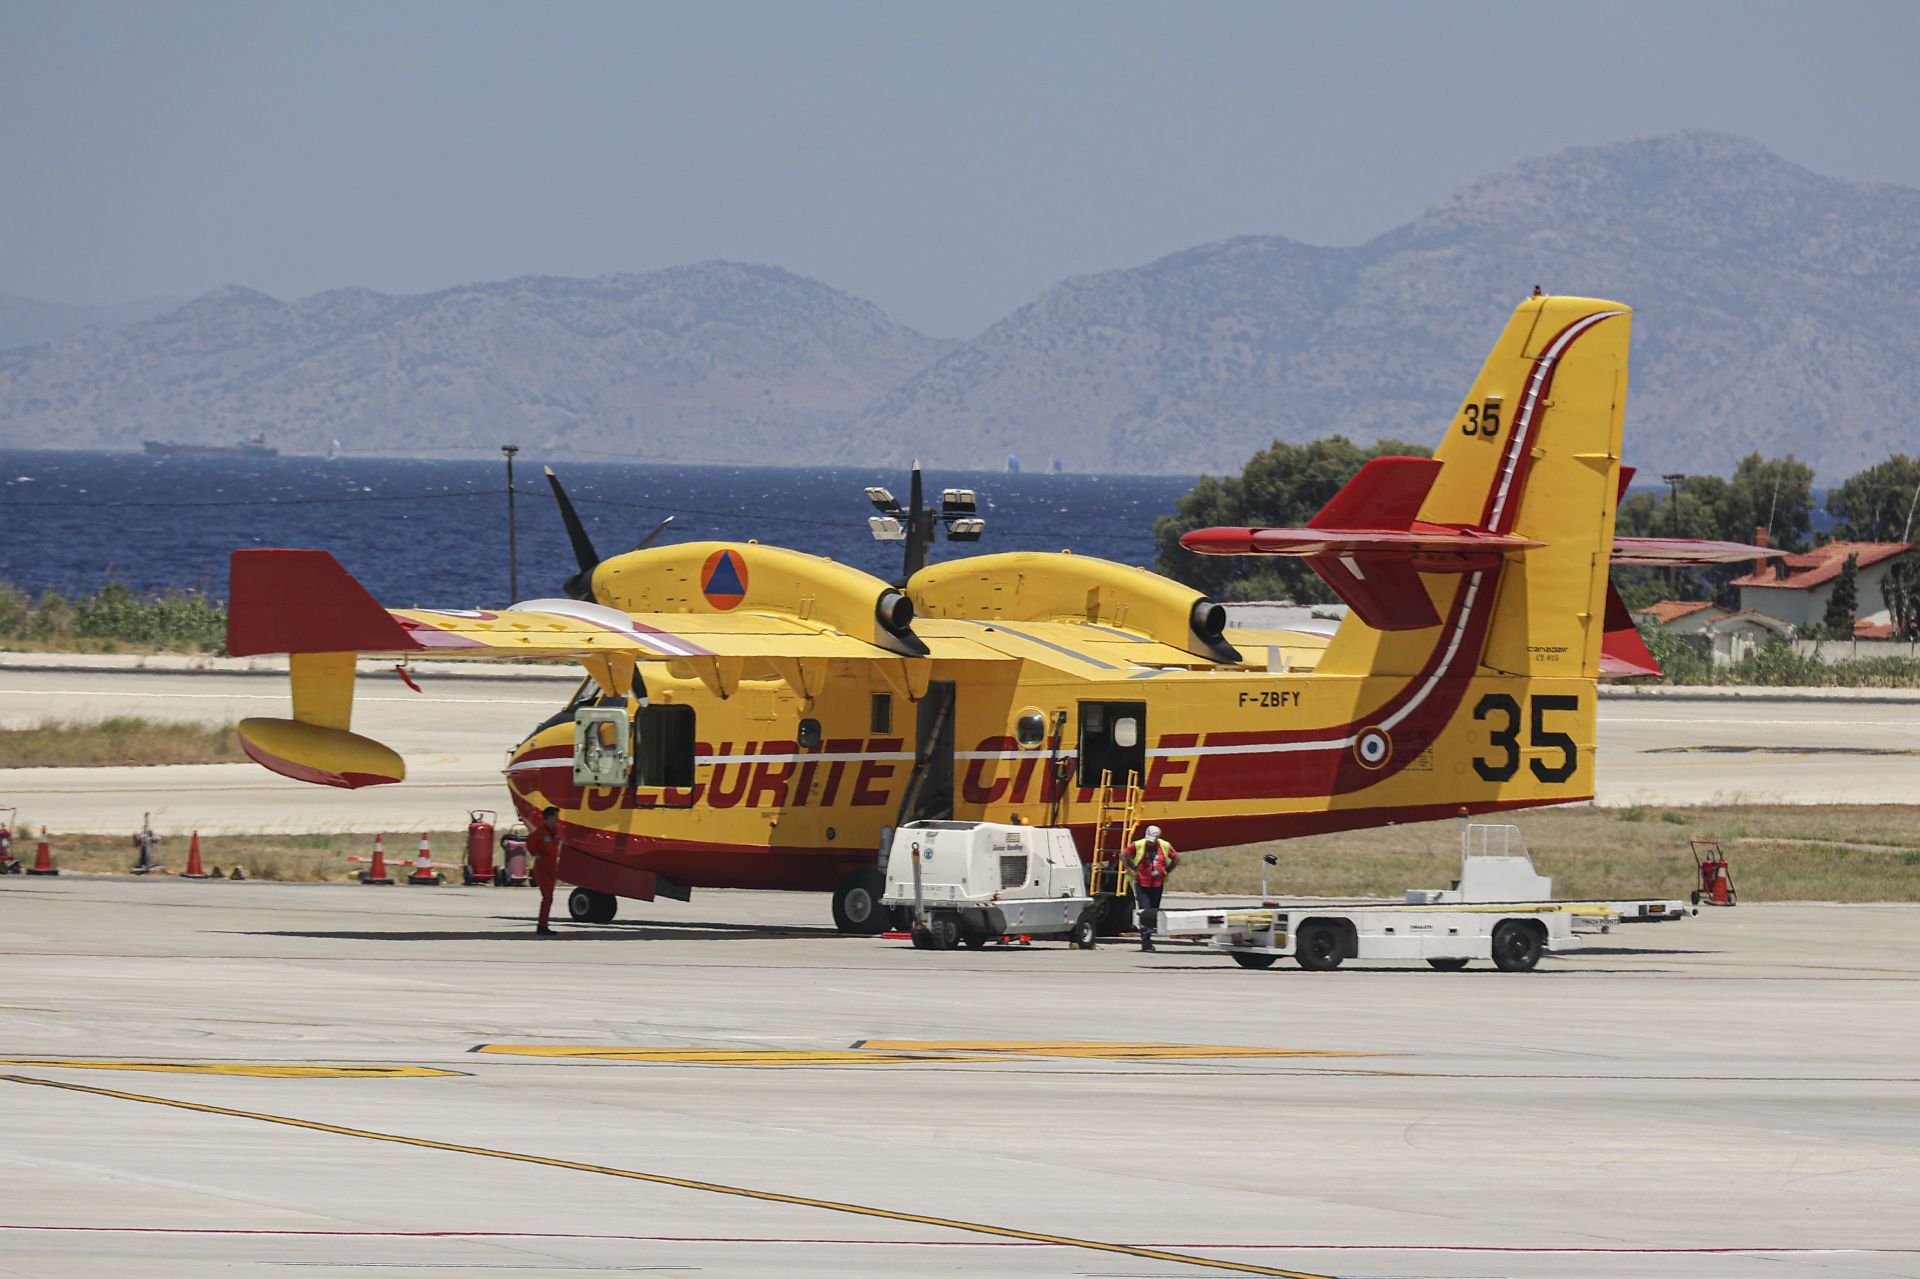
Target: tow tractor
<point>1500,909</point>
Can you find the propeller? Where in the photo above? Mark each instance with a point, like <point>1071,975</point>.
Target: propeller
<point>658,529</point>
<point>579,585</point>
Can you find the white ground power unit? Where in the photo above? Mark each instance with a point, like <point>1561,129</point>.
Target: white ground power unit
<point>973,882</point>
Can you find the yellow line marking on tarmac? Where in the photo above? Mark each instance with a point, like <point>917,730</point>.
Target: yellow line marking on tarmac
<point>717,1056</point>
<point>683,1183</point>
<point>1100,1051</point>
<point>256,1070</point>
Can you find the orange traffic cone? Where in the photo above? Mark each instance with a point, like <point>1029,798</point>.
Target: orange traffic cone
<point>377,872</point>
<point>42,858</point>
<point>194,869</point>
<point>423,865</point>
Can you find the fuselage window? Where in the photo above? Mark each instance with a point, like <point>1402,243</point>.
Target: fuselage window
<point>1030,729</point>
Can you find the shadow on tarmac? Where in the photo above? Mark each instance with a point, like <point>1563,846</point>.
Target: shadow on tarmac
<point>522,930</point>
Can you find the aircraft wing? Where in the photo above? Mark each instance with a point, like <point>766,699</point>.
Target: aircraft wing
<point>299,601</point>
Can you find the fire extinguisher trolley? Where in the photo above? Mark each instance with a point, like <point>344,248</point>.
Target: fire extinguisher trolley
<point>1716,880</point>
<point>479,867</point>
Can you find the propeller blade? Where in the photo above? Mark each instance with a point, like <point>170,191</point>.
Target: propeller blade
<point>578,586</point>
<point>658,529</point>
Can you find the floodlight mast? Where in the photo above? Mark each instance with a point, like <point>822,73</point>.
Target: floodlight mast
<point>917,523</point>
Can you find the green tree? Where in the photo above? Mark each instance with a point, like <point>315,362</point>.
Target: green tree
<point>1771,493</point>
<point>1901,586</point>
<point>1880,504</point>
<point>1280,487</point>
<point>1838,621</point>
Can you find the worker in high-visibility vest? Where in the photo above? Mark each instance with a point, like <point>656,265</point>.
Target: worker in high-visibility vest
<point>1153,859</point>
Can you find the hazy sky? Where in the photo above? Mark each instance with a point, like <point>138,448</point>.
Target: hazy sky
<point>947,161</point>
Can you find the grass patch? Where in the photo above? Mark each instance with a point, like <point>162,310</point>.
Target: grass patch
<point>1850,853</point>
<point>1847,853</point>
<point>122,740</point>
<point>302,859</point>
<point>115,618</point>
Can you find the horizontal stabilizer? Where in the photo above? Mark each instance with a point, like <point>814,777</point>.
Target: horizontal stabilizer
<point>1468,545</point>
<point>298,601</point>
<point>1680,552</point>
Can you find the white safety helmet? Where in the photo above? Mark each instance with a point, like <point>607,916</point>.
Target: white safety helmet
<point>1153,832</point>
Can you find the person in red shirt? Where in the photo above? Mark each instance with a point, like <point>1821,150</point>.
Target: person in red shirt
<point>543,841</point>
<point>1152,861</point>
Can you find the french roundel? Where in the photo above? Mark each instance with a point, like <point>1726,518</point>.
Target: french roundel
<point>1372,747</point>
<point>723,579</point>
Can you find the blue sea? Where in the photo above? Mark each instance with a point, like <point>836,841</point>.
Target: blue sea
<point>435,532</point>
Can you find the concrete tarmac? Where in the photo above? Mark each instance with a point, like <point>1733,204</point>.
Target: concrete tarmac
<point>198,1080</point>
<point>454,736</point>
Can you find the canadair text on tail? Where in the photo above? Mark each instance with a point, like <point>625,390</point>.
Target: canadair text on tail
<point>756,717</point>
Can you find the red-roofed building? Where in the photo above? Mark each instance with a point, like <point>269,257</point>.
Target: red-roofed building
<point>1682,617</point>
<point>1796,588</point>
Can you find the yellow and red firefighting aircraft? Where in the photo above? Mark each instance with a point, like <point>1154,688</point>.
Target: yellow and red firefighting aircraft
<point>757,717</point>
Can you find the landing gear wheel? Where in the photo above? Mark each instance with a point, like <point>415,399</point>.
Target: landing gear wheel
<point>1516,946</point>
<point>1251,959</point>
<point>1082,936</point>
<point>1447,965</point>
<point>1319,947</point>
<point>584,906</point>
<point>856,903</point>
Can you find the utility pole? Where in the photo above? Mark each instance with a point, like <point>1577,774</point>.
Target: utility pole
<point>1674,481</point>
<point>513,532</point>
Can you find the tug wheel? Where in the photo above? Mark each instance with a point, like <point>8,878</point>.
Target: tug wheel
<point>1082,936</point>
<point>1447,965</point>
<point>1516,946</point>
<point>1252,959</point>
<point>1319,946</point>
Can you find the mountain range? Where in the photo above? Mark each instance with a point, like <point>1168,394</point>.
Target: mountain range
<point>1776,309</point>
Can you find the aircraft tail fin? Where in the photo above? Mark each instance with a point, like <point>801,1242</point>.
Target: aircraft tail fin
<point>1523,485</point>
<point>1534,452</point>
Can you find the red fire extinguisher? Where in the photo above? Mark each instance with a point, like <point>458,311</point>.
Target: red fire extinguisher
<point>479,867</point>
<point>1716,881</point>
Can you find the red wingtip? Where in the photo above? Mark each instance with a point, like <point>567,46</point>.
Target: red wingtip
<point>297,601</point>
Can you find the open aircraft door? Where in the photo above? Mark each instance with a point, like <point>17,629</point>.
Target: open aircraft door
<point>1113,741</point>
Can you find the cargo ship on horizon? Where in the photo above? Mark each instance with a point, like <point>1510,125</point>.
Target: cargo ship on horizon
<point>254,445</point>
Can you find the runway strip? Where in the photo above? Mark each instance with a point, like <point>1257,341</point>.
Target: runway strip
<point>659,1179</point>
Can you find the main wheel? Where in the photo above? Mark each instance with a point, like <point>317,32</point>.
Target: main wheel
<point>1115,916</point>
<point>1448,965</point>
<point>856,903</point>
<point>1253,959</point>
<point>1319,947</point>
<point>1516,946</point>
<point>584,906</point>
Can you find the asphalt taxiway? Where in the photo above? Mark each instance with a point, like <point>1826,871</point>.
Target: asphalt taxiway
<point>262,1079</point>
